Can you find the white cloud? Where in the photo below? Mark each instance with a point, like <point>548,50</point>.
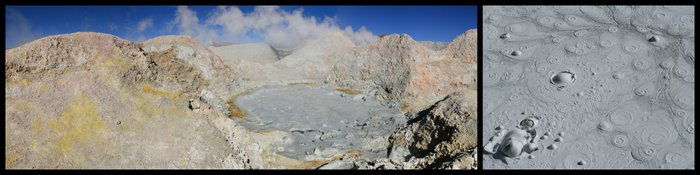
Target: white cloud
<point>136,33</point>
<point>19,30</point>
<point>231,19</point>
<point>144,24</point>
<point>361,36</point>
<point>187,19</point>
<point>187,22</point>
<point>113,27</point>
<point>85,25</point>
<point>279,28</point>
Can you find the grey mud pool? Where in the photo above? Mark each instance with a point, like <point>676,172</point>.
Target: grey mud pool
<point>318,122</point>
<point>610,87</point>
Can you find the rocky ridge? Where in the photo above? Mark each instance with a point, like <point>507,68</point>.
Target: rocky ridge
<point>407,74</point>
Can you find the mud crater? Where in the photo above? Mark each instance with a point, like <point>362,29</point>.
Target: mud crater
<point>321,122</point>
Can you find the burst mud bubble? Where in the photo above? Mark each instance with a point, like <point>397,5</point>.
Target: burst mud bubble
<point>618,80</point>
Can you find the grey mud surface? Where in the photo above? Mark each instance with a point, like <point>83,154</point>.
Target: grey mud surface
<point>321,121</point>
<point>630,103</point>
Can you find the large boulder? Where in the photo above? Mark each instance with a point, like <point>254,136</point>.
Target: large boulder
<point>440,133</point>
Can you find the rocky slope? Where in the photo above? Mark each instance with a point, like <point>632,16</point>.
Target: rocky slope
<point>253,52</point>
<point>90,100</point>
<point>313,59</point>
<point>436,46</point>
<point>406,73</point>
<point>310,62</point>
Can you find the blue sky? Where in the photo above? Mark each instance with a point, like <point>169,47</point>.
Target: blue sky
<point>136,23</point>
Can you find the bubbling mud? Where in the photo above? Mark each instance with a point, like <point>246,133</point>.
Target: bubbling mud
<point>619,80</point>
